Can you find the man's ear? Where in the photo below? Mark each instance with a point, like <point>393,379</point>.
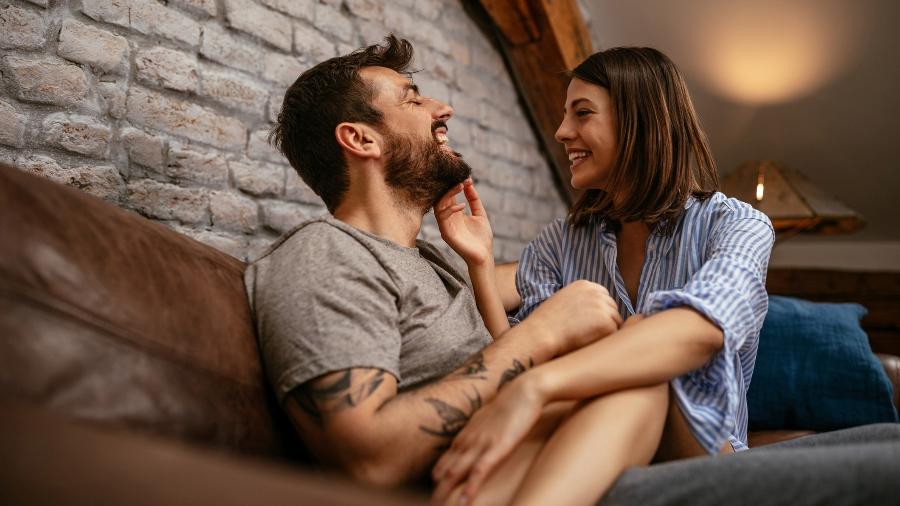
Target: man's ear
<point>359,140</point>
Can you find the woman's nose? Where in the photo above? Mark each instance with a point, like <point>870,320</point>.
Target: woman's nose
<point>564,132</point>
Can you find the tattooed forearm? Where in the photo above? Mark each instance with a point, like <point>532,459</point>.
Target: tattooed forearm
<point>452,418</point>
<point>474,368</point>
<point>317,398</point>
<point>516,369</point>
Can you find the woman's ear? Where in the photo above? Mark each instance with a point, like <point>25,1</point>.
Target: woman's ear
<point>359,140</point>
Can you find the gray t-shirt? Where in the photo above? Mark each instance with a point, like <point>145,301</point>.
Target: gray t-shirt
<point>328,297</point>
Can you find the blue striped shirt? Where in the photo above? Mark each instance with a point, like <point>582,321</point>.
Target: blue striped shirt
<point>714,260</point>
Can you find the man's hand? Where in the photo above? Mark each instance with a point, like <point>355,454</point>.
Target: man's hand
<point>493,432</point>
<point>470,236</point>
<point>576,316</point>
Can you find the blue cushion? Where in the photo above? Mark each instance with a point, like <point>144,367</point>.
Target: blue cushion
<point>815,370</point>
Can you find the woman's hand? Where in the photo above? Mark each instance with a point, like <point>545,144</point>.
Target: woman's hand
<point>470,236</point>
<point>490,436</point>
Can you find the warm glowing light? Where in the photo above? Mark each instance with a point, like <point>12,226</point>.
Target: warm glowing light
<point>763,54</point>
<point>759,191</point>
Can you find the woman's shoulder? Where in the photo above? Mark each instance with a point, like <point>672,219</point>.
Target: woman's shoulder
<point>718,207</point>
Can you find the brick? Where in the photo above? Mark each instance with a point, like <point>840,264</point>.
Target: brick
<point>21,28</point>
<point>144,149</point>
<point>202,7</point>
<point>268,25</point>
<point>274,107</point>
<point>46,80</point>
<point>79,134</point>
<point>92,46</point>
<point>168,202</point>
<point>187,119</point>
<point>329,20</point>
<point>109,11</point>
<point>168,68</point>
<point>231,211</point>
<point>459,51</point>
<point>434,63</point>
<point>101,181</point>
<point>222,47</point>
<point>42,3</point>
<point>186,165</point>
<point>366,9</point>
<point>505,226</point>
<point>259,148</point>
<point>113,97</point>
<point>475,86</point>
<point>529,229</point>
<point>257,178</point>
<point>428,10</point>
<point>416,29</point>
<point>297,191</point>
<point>281,68</point>
<point>298,9</point>
<point>433,88</point>
<point>153,18</point>
<point>234,91</point>
<point>283,216</point>
<point>371,32</point>
<point>12,126</point>
<point>467,107</point>
<point>490,197</point>
<point>312,45</point>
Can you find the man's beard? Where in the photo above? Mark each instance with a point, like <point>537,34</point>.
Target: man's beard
<point>421,171</point>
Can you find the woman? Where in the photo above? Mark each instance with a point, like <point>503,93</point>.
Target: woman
<point>685,265</point>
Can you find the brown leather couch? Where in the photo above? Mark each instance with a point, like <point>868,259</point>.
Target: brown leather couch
<point>110,318</point>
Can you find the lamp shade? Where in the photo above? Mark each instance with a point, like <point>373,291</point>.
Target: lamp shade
<point>790,200</point>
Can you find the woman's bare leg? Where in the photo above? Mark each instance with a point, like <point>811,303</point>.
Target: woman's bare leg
<point>499,487</point>
<point>594,445</point>
<point>677,440</point>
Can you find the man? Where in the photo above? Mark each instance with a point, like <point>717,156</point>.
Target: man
<point>372,340</point>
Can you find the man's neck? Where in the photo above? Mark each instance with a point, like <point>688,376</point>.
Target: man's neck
<point>387,218</point>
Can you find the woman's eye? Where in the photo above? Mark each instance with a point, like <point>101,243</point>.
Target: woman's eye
<point>582,112</point>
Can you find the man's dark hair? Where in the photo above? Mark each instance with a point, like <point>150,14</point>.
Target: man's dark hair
<point>324,96</point>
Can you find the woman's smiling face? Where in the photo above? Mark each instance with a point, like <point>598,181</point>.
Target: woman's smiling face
<point>588,130</point>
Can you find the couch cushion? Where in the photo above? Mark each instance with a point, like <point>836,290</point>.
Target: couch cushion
<point>815,370</point>
<point>110,317</point>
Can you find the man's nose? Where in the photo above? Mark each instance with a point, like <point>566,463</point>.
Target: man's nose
<point>442,111</point>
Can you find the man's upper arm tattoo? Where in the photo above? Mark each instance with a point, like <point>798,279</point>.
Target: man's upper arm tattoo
<point>352,387</point>
<point>516,369</point>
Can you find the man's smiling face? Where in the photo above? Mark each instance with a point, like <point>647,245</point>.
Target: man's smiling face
<point>419,161</point>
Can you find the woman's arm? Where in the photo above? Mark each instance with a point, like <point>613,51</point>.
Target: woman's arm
<point>472,238</point>
<point>651,351</point>
<point>506,285</point>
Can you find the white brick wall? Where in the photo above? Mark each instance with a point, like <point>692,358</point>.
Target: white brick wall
<point>165,107</point>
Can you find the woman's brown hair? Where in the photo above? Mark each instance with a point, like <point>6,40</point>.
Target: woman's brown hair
<point>663,156</point>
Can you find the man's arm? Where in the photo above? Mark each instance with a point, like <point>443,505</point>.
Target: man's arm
<point>356,420</point>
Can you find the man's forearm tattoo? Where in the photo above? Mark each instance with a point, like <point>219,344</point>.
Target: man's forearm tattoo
<point>350,389</point>
<point>516,369</point>
<point>474,368</point>
<point>452,418</point>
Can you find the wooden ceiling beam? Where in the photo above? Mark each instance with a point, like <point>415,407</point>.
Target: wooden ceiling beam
<point>541,40</point>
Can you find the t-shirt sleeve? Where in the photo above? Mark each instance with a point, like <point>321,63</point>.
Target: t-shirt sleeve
<point>729,289</point>
<point>325,305</point>
<point>538,275</point>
